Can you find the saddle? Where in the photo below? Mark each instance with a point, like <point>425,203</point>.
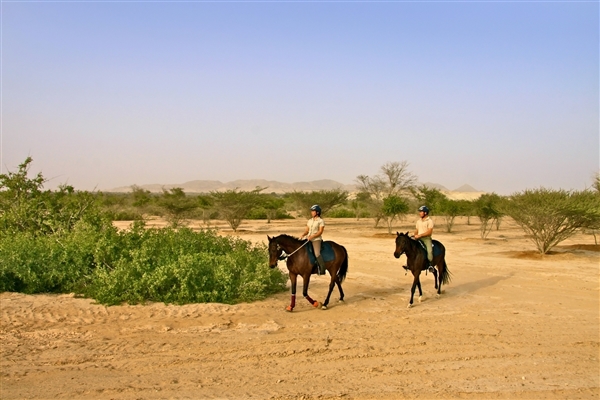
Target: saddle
<point>434,247</point>
<point>326,252</point>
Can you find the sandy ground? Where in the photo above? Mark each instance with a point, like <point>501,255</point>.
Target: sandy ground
<point>512,324</point>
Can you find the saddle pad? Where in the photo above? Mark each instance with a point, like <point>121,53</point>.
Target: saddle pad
<point>326,252</point>
<point>435,247</point>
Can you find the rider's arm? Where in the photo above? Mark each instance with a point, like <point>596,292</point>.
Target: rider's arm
<point>319,233</point>
<point>305,233</point>
<point>428,232</point>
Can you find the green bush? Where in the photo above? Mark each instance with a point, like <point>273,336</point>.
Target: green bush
<point>62,242</point>
<point>184,266</point>
<point>551,216</point>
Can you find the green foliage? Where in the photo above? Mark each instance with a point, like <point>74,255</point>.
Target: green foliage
<point>184,266</point>
<point>450,209</point>
<point>272,206</point>
<point>62,242</point>
<point>393,207</point>
<point>234,206</point>
<point>394,178</point>
<point>360,205</point>
<point>177,206</point>
<point>342,212</point>
<point>326,199</point>
<point>431,197</point>
<point>488,208</point>
<point>26,208</point>
<point>551,216</point>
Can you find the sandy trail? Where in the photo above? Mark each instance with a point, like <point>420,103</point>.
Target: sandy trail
<point>511,324</point>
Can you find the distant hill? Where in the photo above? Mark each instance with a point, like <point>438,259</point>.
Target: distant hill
<point>205,186</point>
<point>437,186</point>
<point>466,188</point>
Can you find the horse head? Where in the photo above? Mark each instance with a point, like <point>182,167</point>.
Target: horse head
<point>275,251</point>
<point>402,240</point>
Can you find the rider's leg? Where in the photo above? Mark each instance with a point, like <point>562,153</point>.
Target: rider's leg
<point>320,262</point>
<point>429,246</point>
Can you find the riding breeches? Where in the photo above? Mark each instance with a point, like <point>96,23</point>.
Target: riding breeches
<point>317,247</point>
<point>429,246</point>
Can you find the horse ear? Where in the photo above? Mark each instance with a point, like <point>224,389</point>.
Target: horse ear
<point>397,233</point>
<point>406,233</point>
<point>269,237</point>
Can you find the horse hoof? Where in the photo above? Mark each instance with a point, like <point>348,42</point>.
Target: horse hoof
<point>324,308</point>
<point>342,300</point>
<point>409,305</point>
<point>316,304</point>
<point>437,295</point>
<point>289,309</point>
<point>420,299</point>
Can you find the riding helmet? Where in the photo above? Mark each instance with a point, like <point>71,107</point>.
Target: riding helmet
<point>424,209</point>
<point>316,208</point>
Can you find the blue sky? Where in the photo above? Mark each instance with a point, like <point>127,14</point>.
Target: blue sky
<point>503,96</point>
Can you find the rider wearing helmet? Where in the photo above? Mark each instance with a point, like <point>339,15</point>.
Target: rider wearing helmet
<point>314,230</point>
<point>424,231</point>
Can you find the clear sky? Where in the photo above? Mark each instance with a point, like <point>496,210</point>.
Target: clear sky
<point>503,96</point>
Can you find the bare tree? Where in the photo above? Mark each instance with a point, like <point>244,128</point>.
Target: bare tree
<point>394,179</point>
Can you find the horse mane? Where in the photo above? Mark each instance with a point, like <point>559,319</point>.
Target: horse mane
<point>285,235</point>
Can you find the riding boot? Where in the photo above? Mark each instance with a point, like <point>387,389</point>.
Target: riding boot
<point>321,264</point>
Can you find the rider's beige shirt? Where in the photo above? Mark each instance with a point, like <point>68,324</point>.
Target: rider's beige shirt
<point>314,224</point>
<point>423,225</point>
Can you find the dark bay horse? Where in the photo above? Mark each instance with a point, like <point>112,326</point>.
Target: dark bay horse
<point>295,252</point>
<point>417,262</point>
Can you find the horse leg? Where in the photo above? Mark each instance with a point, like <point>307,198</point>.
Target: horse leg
<point>331,286</point>
<point>339,285</point>
<point>442,268</point>
<point>306,279</point>
<point>435,278</point>
<point>420,290</point>
<point>293,278</point>
<point>412,290</point>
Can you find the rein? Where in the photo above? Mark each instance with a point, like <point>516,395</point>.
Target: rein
<point>284,256</point>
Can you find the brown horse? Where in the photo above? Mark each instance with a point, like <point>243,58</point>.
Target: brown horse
<point>417,261</point>
<point>295,252</point>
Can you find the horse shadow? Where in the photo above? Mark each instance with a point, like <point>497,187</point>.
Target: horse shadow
<point>469,287</point>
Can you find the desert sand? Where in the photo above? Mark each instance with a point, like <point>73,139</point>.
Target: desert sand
<point>511,325</point>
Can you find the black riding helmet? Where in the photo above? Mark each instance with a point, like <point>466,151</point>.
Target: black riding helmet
<point>424,209</point>
<point>316,208</point>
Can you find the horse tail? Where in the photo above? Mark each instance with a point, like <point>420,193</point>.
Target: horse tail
<point>446,275</point>
<point>344,267</point>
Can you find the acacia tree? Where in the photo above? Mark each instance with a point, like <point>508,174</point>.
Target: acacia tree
<point>394,179</point>
<point>551,216</point>
<point>205,203</point>
<point>393,207</point>
<point>359,203</point>
<point>450,209</point>
<point>177,206</point>
<point>488,209</point>
<point>233,205</point>
<point>431,197</point>
<point>326,199</point>
<point>272,204</point>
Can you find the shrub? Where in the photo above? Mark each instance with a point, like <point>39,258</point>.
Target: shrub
<point>62,242</point>
<point>551,216</point>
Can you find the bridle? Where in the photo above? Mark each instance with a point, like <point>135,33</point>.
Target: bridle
<point>283,255</point>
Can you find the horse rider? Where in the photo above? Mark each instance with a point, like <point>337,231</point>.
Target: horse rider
<point>314,230</point>
<point>424,231</point>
